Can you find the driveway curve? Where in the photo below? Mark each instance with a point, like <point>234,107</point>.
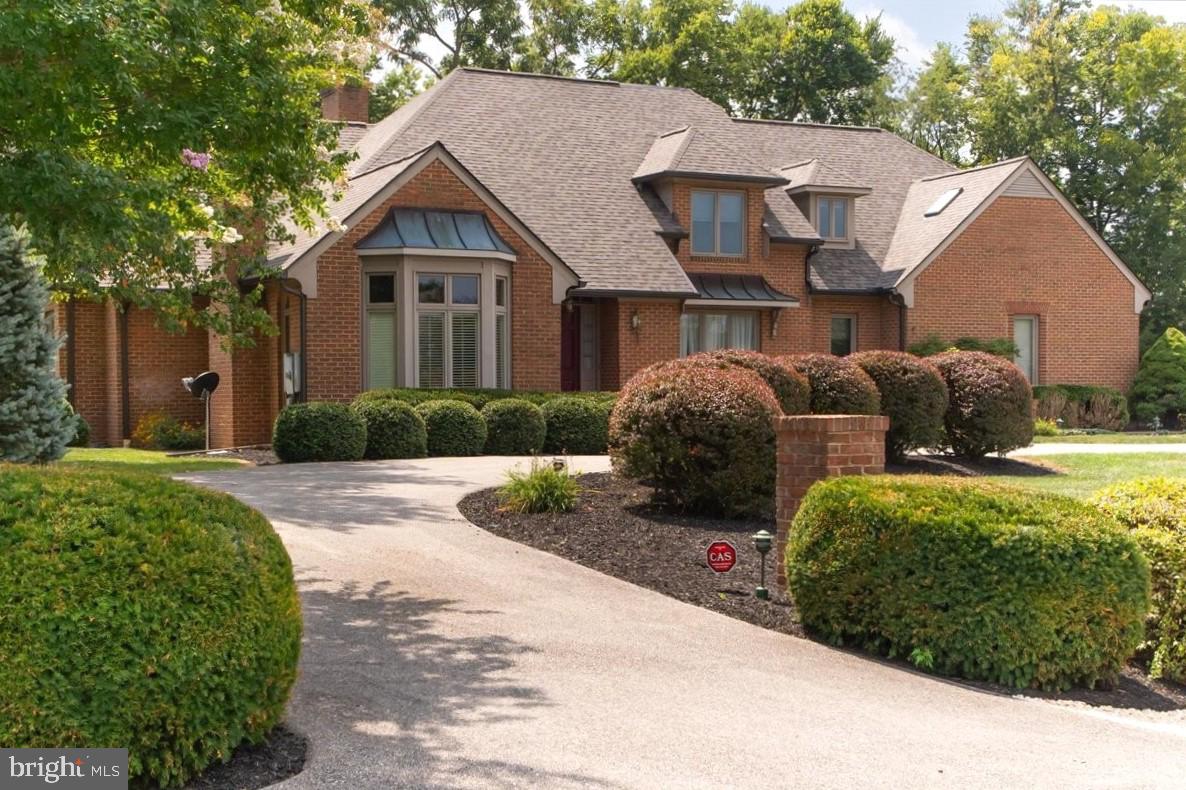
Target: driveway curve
<point>439,655</point>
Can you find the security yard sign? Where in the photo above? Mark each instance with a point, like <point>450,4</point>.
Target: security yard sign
<point>721,556</point>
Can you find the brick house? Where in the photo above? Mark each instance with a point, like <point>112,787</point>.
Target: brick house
<point>511,230</point>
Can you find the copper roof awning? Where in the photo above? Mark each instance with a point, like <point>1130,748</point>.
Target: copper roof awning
<point>737,290</point>
<point>426,229</point>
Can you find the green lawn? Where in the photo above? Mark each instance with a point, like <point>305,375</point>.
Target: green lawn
<point>1082,475</point>
<point>120,459</point>
<point>1114,438</point>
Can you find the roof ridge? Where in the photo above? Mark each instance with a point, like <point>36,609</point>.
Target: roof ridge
<point>537,75</point>
<point>809,123</point>
<point>412,155</point>
<point>676,130</point>
<point>430,96</point>
<point>978,168</point>
<point>799,164</point>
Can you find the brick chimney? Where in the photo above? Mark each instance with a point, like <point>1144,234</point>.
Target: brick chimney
<point>346,103</point>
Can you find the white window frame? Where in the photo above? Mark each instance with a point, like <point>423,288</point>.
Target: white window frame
<point>754,314</point>
<point>852,337</point>
<point>1035,327</point>
<point>716,222</point>
<point>829,240</point>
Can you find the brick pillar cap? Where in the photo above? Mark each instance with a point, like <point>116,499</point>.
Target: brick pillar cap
<point>816,423</point>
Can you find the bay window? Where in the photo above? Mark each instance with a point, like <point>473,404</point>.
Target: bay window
<point>712,331</point>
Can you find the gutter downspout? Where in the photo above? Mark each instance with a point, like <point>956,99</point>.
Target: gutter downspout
<point>811,250</point>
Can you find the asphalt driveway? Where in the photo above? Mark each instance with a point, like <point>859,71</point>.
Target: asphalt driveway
<point>438,655</point>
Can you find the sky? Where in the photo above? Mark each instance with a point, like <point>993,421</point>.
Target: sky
<point>917,25</point>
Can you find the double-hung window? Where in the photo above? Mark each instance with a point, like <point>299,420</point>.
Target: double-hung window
<point>718,222</point>
<point>448,330</point>
<point>381,330</point>
<point>502,358</point>
<point>712,331</point>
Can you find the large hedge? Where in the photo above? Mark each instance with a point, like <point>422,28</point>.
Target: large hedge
<point>1080,406</point>
<point>702,438</point>
<point>838,386</point>
<point>454,427</point>
<point>790,386</point>
<point>577,425</point>
<point>984,582</point>
<point>913,396</point>
<point>393,428</point>
<point>514,427</point>
<point>1155,511</point>
<point>478,398</point>
<point>933,344</point>
<point>319,432</point>
<point>143,613</point>
<point>1159,389</point>
<point>990,403</point>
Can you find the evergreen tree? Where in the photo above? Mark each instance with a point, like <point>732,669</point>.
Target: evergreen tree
<point>35,423</point>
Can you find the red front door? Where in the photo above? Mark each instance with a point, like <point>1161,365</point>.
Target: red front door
<point>570,349</point>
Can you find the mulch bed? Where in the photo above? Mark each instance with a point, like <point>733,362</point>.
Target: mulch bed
<point>252,766</point>
<point>616,530</point>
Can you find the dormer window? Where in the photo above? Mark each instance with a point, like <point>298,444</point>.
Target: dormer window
<point>718,222</point>
<point>832,216</point>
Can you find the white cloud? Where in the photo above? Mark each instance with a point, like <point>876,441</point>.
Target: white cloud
<point>911,48</point>
<point>1172,10</point>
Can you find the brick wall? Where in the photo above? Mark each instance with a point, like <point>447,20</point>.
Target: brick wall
<point>1027,256</point>
<point>819,446</point>
<point>335,324</point>
<point>157,361</point>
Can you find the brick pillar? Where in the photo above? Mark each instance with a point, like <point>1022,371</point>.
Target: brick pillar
<point>814,447</point>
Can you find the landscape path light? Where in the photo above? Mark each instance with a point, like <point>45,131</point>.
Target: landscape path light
<point>763,542</point>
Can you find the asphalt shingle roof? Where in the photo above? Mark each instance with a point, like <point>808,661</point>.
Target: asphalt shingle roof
<point>693,152</point>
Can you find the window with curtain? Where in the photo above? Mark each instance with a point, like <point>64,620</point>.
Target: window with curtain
<point>448,328</point>
<point>381,344</point>
<point>718,222</point>
<point>713,331</point>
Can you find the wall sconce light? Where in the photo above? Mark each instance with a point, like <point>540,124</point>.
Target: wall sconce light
<point>635,321</point>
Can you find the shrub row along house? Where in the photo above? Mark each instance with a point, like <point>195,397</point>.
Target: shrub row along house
<point>528,232</point>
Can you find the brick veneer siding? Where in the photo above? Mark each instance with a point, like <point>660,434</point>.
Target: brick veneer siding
<point>157,361</point>
<point>335,323</point>
<point>1027,256</point>
<point>815,447</point>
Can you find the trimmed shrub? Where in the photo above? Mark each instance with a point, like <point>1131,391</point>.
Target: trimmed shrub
<point>997,346</point>
<point>913,396</point>
<point>838,386</point>
<point>1159,389</point>
<point>140,612</point>
<point>82,431</point>
<point>542,490</point>
<point>319,432</point>
<point>1101,408</point>
<point>394,429</point>
<point>158,431</point>
<point>790,386</point>
<point>1155,511</point>
<point>514,427</point>
<point>579,426</point>
<point>478,398</point>
<point>989,404</point>
<point>1045,427</point>
<point>969,579</point>
<point>454,427</point>
<point>703,439</point>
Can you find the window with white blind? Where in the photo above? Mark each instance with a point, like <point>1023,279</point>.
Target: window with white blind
<point>713,331</point>
<point>380,330</point>
<point>502,362</point>
<point>448,329</point>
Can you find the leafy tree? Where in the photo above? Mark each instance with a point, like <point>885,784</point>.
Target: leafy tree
<point>936,106</point>
<point>394,90</point>
<point>557,35</point>
<point>473,32</point>
<point>1159,389</point>
<point>35,421</point>
<point>134,133</point>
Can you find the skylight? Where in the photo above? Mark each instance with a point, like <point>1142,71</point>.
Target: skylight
<point>942,202</point>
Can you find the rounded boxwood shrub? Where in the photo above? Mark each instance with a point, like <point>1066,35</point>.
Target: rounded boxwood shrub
<point>454,427</point>
<point>1154,510</point>
<point>514,427</point>
<point>790,386</point>
<point>575,425</point>
<point>837,385</point>
<point>702,438</point>
<point>913,396</point>
<point>984,582</point>
<point>139,612</point>
<point>989,403</point>
<point>319,432</point>
<point>394,429</point>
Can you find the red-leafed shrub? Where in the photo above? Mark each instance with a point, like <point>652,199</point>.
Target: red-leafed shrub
<point>790,386</point>
<point>989,402</point>
<point>913,396</point>
<point>838,386</point>
<point>701,437</point>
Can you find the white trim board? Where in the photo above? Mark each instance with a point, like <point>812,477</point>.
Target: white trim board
<point>905,284</point>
